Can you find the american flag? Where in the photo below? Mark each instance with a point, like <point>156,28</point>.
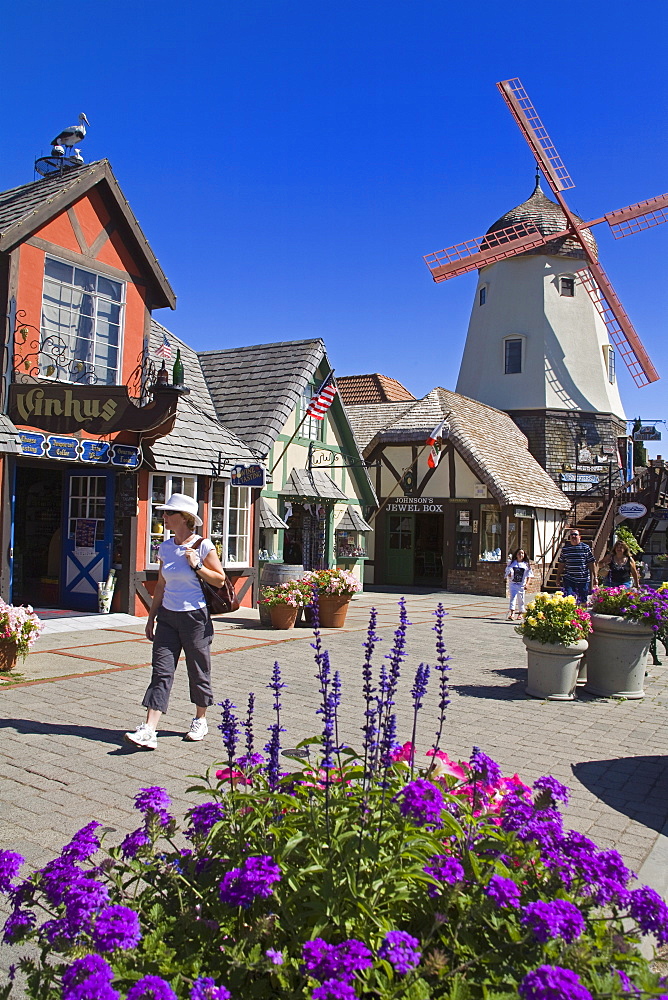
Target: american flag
<point>322,400</point>
<point>164,351</point>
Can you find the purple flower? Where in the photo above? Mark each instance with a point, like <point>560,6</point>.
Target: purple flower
<point>255,878</point>
<point>651,913</point>
<point>151,988</point>
<point>17,924</point>
<point>486,769</point>
<point>273,747</point>
<point>627,985</point>
<point>203,817</point>
<point>205,988</point>
<point>442,667</point>
<point>333,989</point>
<point>88,978</point>
<point>250,760</point>
<point>152,799</point>
<point>558,918</point>
<point>421,801</point>
<point>335,961</point>
<point>554,789</point>
<point>552,982</point>
<point>132,844</point>
<point>58,876</point>
<point>444,868</point>
<point>9,867</point>
<point>83,844</point>
<point>229,727</point>
<point>503,891</point>
<point>82,902</point>
<point>401,950</point>
<point>276,957</point>
<point>516,812</point>
<point>116,927</point>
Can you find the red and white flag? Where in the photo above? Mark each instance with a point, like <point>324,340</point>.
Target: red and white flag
<point>164,351</point>
<point>435,439</point>
<point>322,400</point>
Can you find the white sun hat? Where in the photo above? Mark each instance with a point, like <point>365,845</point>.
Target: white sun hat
<point>184,504</point>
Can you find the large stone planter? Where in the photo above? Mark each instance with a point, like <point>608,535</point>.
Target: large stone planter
<point>617,656</point>
<point>552,669</point>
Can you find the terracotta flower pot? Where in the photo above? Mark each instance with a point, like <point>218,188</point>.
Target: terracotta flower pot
<point>283,615</point>
<point>333,609</point>
<point>8,654</point>
<point>616,658</point>
<point>552,669</point>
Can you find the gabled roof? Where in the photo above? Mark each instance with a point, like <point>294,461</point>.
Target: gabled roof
<point>29,207</point>
<point>376,388</point>
<point>488,439</point>
<point>316,484</point>
<point>255,389</point>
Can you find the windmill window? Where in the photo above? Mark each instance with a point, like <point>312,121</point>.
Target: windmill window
<point>609,353</point>
<point>482,296</point>
<point>513,356</point>
<point>567,287</point>
<point>82,319</point>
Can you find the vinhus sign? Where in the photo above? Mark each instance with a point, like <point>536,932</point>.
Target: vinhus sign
<point>97,409</point>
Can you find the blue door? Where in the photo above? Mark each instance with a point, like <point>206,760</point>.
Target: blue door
<point>88,522</point>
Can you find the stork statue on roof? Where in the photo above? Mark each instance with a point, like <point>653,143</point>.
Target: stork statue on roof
<point>58,161</point>
<point>546,323</point>
<point>73,134</point>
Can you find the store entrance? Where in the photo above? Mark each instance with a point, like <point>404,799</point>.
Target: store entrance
<point>428,549</point>
<point>37,537</point>
<point>305,541</point>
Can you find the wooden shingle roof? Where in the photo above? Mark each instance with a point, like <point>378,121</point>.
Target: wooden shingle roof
<point>376,388</point>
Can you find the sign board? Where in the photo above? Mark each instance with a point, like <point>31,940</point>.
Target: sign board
<point>417,505</point>
<point>85,529</point>
<point>660,515</point>
<point>632,510</point>
<point>93,408</point>
<point>647,433</point>
<point>248,475</point>
<point>524,512</point>
<point>580,477</point>
<point>126,495</point>
<point>70,449</point>
<point>320,458</point>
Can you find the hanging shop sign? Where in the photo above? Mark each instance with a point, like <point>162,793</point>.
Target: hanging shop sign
<point>580,477</point>
<point>416,505</point>
<point>320,458</point>
<point>632,510</point>
<point>647,433</point>
<point>54,408</point>
<point>70,449</point>
<point>248,475</point>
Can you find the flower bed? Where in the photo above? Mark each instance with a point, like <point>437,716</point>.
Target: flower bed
<point>327,582</point>
<point>292,593</point>
<point>375,875</point>
<point>647,607</point>
<point>553,618</point>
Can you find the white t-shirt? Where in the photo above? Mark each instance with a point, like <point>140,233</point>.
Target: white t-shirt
<point>182,587</point>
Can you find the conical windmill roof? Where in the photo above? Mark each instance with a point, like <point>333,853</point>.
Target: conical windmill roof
<point>548,217</point>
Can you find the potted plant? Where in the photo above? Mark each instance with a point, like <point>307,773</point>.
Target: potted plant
<point>334,588</point>
<point>624,623</point>
<point>378,874</point>
<point>19,629</point>
<point>284,601</point>
<point>555,633</point>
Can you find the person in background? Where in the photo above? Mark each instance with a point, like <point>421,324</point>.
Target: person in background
<point>518,572</point>
<point>183,620</point>
<point>621,567</point>
<point>577,568</point>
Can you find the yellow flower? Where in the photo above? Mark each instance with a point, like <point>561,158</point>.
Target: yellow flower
<point>532,621</point>
<point>540,615</point>
<point>570,599</point>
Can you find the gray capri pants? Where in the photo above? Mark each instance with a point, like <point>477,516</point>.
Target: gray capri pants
<point>192,632</point>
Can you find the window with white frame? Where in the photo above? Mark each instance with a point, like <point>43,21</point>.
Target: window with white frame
<point>162,488</point>
<point>311,428</point>
<point>512,355</point>
<point>230,523</point>
<point>82,321</point>
<point>609,355</point>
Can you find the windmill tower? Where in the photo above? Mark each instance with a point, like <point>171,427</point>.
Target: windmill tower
<point>546,325</point>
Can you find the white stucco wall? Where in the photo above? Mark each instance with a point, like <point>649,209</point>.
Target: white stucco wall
<point>564,366</point>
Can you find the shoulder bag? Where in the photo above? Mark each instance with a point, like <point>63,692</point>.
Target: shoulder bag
<point>219,600</point>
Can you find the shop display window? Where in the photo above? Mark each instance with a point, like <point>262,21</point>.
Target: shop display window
<point>490,534</point>
<point>230,523</point>
<point>269,544</point>
<point>162,488</point>
<point>464,539</point>
<point>350,544</point>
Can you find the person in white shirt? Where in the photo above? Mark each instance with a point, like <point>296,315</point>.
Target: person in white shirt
<point>178,620</point>
<point>518,572</point>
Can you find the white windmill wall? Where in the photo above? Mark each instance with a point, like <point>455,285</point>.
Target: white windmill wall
<point>564,365</point>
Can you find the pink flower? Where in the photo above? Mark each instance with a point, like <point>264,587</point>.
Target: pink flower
<point>404,753</point>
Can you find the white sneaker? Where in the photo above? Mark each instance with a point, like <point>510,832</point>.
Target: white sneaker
<point>198,730</point>
<point>143,737</point>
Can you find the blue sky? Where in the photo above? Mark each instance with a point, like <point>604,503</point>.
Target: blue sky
<point>290,162</point>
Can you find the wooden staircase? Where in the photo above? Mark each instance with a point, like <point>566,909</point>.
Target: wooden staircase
<point>589,528</point>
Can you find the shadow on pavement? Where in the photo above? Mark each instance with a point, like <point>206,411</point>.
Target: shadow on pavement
<point>634,786</point>
<point>31,727</point>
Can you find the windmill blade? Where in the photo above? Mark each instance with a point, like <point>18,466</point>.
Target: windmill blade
<point>642,215</point>
<point>620,328</point>
<point>535,134</point>
<point>497,245</point>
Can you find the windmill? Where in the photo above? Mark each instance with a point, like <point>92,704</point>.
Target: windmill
<point>517,239</point>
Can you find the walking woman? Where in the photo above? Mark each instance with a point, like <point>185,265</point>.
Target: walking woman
<point>622,570</point>
<point>179,620</point>
<point>518,571</point>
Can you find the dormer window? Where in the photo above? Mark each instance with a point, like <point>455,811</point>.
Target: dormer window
<point>567,287</point>
<point>82,316</point>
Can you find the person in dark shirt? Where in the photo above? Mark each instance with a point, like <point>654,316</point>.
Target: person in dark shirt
<point>622,570</point>
<point>576,567</point>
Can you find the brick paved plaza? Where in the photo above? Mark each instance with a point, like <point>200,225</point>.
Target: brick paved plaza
<point>64,761</point>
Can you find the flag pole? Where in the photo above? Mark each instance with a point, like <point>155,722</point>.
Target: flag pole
<point>329,378</point>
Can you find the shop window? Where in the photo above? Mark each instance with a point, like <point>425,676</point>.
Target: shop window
<point>464,539</point>
<point>82,316</point>
<point>311,428</point>
<point>512,355</point>
<point>350,544</point>
<point>490,535</point>
<point>567,287</point>
<point>520,536</point>
<point>162,488</point>
<point>87,500</point>
<point>230,523</point>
